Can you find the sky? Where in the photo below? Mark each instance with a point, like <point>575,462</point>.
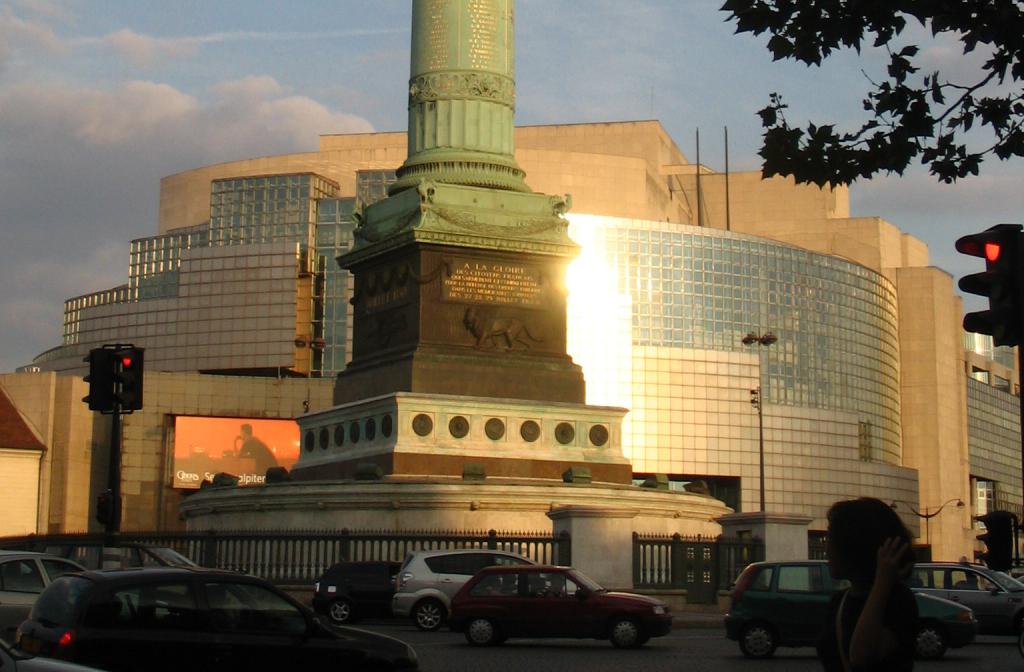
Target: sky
<point>99,100</point>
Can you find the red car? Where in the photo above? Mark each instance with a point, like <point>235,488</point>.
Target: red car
<point>543,601</point>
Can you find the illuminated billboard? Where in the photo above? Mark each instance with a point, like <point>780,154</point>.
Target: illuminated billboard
<point>244,447</point>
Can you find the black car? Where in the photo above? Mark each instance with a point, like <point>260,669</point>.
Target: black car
<point>194,619</point>
<point>16,661</point>
<point>350,590</point>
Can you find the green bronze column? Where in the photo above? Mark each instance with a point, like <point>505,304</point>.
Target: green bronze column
<point>459,274</point>
<point>462,96</point>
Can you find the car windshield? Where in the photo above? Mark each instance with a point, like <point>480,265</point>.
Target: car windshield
<point>170,557</point>
<point>585,581</point>
<point>1006,582</point>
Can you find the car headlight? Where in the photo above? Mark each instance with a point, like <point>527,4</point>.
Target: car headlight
<point>659,609</point>
<point>967,616</point>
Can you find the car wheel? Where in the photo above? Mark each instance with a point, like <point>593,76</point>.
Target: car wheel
<point>757,641</point>
<point>625,634</point>
<point>930,642</point>
<point>429,615</point>
<point>482,632</point>
<point>340,611</point>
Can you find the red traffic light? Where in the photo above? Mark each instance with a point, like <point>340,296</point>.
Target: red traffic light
<point>991,244</point>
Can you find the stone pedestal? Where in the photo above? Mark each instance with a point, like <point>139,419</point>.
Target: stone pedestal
<point>460,290</point>
<point>602,541</point>
<point>784,534</point>
<point>431,434</point>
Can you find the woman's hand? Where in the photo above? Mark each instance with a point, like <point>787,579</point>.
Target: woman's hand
<point>894,561</point>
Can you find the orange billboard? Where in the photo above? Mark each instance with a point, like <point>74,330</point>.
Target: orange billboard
<point>244,447</point>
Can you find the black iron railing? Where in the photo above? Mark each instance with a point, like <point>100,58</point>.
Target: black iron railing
<point>300,557</point>
<point>700,565</point>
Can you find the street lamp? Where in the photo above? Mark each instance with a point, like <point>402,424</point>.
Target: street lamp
<point>765,339</point>
<point>929,515</point>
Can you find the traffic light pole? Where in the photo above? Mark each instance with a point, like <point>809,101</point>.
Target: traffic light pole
<point>1020,403</point>
<point>113,525</point>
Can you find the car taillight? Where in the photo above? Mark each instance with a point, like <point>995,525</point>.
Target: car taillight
<point>67,638</point>
<point>966,615</point>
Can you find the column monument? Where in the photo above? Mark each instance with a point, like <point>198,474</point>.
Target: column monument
<point>461,409</point>
<point>459,326</point>
<point>459,274</point>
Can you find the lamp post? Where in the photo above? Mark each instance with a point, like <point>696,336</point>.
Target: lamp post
<point>929,515</point>
<point>765,339</point>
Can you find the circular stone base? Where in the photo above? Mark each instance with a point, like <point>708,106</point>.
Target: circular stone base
<point>437,503</point>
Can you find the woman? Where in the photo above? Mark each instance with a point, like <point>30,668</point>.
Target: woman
<point>871,624</point>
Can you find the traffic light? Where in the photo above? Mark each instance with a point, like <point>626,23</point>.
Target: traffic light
<point>100,379</point>
<point>105,508</point>
<point>1001,247</point>
<point>998,539</point>
<point>128,364</point>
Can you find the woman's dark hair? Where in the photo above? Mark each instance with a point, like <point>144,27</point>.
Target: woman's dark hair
<point>857,528</point>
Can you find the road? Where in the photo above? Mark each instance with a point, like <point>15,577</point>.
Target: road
<point>693,650</point>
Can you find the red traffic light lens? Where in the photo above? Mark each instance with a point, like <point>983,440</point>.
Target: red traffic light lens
<point>992,251</point>
<point>126,362</point>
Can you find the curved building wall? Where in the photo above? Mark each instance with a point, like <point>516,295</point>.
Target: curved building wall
<point>682,298</point>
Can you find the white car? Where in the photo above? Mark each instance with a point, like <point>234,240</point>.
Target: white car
<point>23,575</point>
<point>428,580</point>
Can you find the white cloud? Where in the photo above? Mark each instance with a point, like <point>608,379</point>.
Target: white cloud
<point>18,33</point>
<point>143,50</point>
<point>247,88</point>
<point>80,171</point>
<point>49,8</point>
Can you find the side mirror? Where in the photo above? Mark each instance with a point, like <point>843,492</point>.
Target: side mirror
<point>994,591</point>
<point>582,593</point>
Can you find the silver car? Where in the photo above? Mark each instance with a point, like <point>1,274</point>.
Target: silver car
<point>997,599</point>
<point>23,575</point>
<point>428,580</point>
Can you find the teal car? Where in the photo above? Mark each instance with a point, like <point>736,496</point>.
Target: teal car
<point>786,604</point>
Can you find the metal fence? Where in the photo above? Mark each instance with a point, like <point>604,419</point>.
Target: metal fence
<point>700,565</point>
<point>291,558</point>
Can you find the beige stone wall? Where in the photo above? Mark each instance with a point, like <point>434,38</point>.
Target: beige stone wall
<point>19,481</point>
<point>756,202</point>
<point>74,466</point>
<point>934,404</point>
<point>185,197</point>
<point>149,500</point>
<point>72,434</point>
<point>608,168</point>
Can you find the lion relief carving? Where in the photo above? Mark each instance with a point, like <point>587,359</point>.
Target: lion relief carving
<point>491,331</point>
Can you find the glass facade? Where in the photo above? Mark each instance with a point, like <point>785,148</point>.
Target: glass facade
<point>73,309</point>
<point>993,441</point>
<point>982,344</point>
<point>154,261</point>
<point>252,211</point>
<point>271,208</point>
<point>372,185</point>
<point>334,228</point>
<point>695,289</point>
